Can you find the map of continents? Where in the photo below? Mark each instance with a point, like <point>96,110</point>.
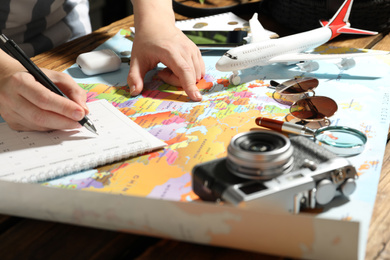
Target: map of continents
<point>195,132</point>
<point>201,131</point>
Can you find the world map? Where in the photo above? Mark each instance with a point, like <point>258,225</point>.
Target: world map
<point>201,131</point>
<point>152,194</point>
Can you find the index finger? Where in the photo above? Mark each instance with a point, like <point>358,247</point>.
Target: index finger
<point>47,100</point>
<point>186,74</point>
<point>69,87</point>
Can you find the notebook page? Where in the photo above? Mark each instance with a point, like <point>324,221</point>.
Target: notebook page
<point>37,156</point>
<point>219,22</point>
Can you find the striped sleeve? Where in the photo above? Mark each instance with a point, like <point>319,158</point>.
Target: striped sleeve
<point>39,25</point>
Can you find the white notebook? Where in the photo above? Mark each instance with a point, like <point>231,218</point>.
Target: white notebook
<point>38,156</point>
<point>219,22</point>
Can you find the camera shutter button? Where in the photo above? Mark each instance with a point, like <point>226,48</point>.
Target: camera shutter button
<point>326,191</point>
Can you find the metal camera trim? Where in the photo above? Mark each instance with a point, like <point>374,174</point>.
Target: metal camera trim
<point>317,177</point>
<point>260,165</point>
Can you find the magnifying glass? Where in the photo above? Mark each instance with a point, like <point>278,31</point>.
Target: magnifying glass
<point>341,140</point>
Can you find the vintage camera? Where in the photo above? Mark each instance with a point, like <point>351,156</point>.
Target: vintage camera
<point>267,169</point>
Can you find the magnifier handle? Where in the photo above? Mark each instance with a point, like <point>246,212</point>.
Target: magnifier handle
<point>282,126</point>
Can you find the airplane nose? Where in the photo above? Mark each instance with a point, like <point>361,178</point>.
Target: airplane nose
<point>222,64</point>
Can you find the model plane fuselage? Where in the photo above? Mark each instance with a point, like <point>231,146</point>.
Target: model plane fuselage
<point>271,51</point>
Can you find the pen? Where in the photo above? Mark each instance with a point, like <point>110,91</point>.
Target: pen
<point>18,54</point>
<point>282,126</point>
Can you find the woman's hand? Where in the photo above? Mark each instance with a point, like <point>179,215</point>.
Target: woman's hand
<point>159,40</point>
<point>26,105</point>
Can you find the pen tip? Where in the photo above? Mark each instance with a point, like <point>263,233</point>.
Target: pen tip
<point>91,128</point>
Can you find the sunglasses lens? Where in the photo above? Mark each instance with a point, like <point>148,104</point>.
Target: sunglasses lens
<point>298,85</point>
<point>288,99</point>
<point>314,108</point>
<point>294,90</point>
<point>310,124</point>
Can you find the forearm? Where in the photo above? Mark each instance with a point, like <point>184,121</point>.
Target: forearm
<point>150,13</point>
<point>9,65</point>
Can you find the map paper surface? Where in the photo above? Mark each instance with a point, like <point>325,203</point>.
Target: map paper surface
<point>201,131</point>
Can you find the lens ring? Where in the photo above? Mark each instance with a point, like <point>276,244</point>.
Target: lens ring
<point>260,174</point>
<point>259,155</point>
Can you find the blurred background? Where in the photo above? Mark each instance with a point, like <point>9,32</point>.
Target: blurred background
<point>104,12</point>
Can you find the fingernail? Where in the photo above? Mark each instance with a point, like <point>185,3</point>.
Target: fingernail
<point>77,115</point>
<point>132,89</point>
<point>86,108</point>
<point>198,96</point>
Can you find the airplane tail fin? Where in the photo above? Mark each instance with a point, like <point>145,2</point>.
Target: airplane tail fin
<point>258,32</point>
<point>339,22</point>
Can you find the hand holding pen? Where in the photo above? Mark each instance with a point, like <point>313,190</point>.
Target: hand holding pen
<point>35,102</point>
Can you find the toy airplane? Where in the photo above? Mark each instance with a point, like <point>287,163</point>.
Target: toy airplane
<point>292,49</point>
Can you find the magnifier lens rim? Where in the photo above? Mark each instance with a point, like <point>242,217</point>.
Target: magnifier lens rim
<point>344,151</point>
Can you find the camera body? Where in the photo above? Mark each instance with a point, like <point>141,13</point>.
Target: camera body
<point>266,169</point>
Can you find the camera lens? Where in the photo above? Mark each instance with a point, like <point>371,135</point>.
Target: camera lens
<point>259,155</point>
<point>252,143</point>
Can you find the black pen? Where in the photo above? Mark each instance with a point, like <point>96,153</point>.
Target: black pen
<point>38,74</point>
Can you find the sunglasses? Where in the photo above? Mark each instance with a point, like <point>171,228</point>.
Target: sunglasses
<point>305,107</point>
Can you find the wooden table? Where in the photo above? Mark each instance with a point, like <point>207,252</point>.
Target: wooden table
<point>23,238</point>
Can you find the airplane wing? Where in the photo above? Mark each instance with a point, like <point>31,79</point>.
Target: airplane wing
<point>298,57</point>
<point>258,33</point>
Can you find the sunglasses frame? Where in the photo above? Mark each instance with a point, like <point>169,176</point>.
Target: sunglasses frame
<point>292,99</point>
